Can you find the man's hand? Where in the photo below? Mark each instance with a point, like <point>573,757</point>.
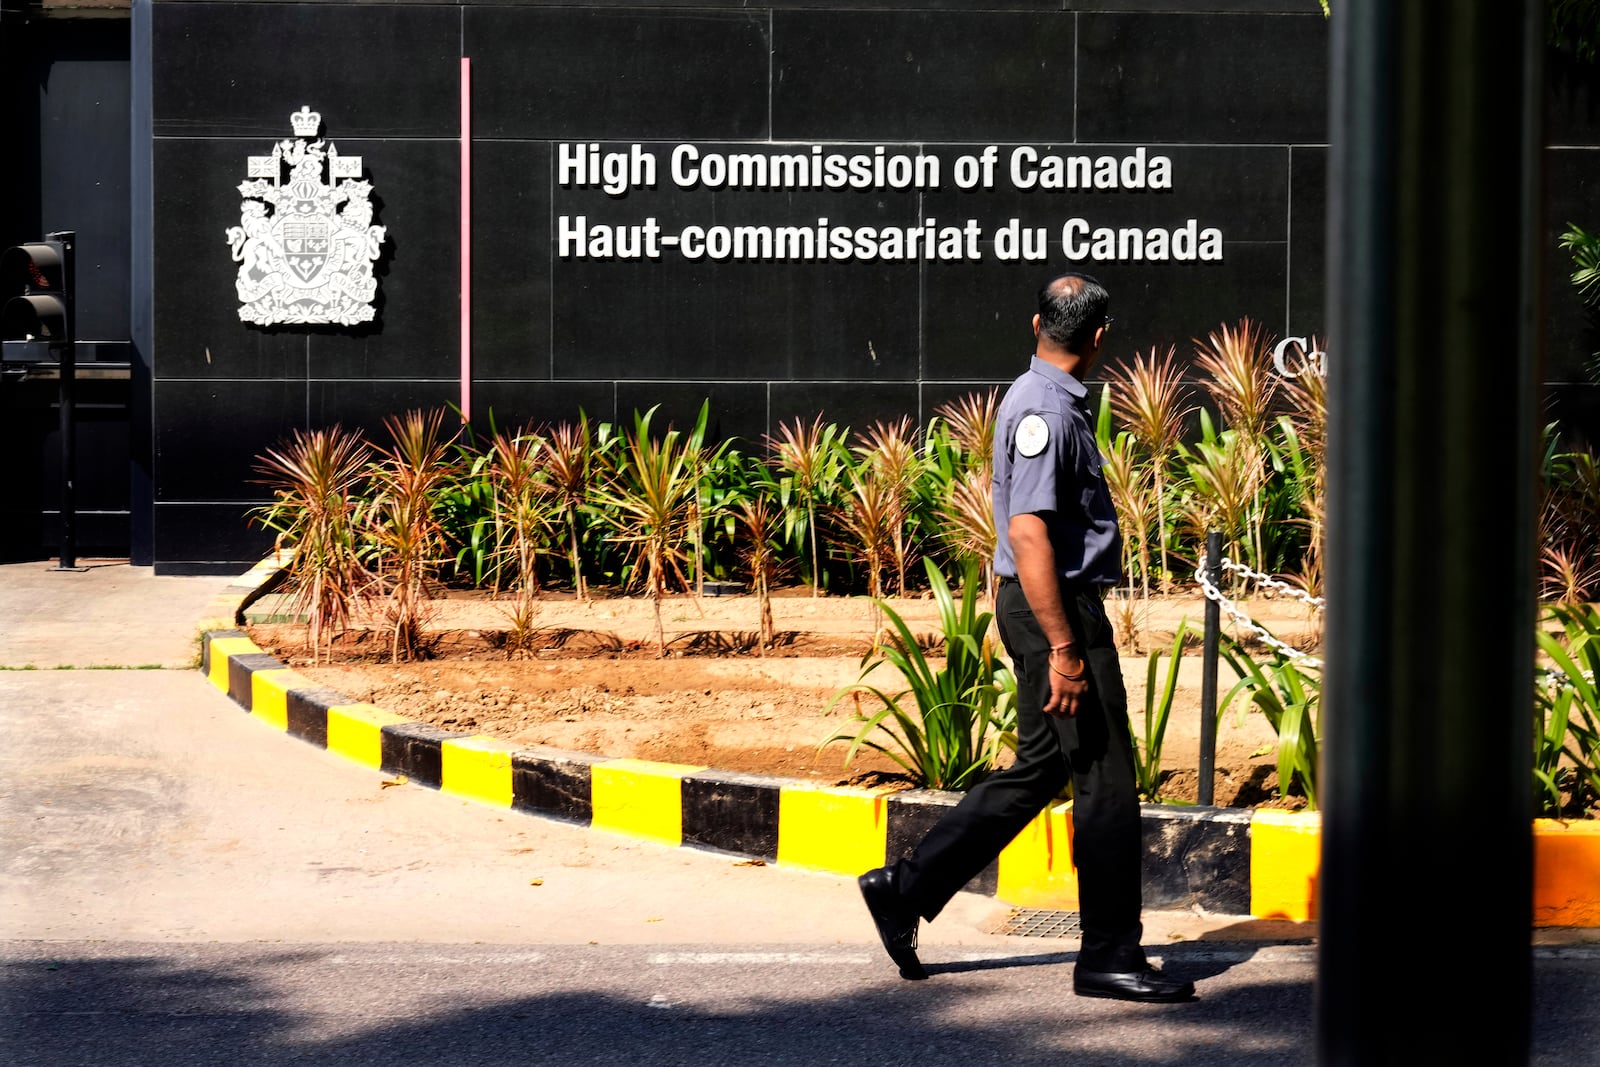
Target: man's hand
<point>1069,683</point>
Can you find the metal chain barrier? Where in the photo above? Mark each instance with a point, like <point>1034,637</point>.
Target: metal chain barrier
<point>1245,621</point>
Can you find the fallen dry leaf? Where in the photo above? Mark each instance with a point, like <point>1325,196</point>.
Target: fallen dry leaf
<point>387,782</point>
<point>750,863</point>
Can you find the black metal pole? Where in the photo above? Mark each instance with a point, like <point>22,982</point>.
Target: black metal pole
<point>67,362</point>
<point>1208,672</point>
<point>1426,783</point>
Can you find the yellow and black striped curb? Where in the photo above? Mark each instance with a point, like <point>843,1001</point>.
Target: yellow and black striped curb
<point>1227,861</point>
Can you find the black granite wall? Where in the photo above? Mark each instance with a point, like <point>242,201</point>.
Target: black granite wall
<point>1234,97</point>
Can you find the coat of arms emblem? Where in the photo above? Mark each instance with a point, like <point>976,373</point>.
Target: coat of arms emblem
<point>305,241</point>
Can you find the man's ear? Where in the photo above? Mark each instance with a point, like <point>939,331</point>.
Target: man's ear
<point>1036,326</point>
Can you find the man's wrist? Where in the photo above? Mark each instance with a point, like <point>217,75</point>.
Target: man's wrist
<point>1070,647</point>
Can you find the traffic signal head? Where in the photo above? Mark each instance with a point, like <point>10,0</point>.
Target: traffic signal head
<point>36,282</point>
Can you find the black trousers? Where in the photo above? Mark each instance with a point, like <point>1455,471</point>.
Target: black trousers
<point>1093,749</point>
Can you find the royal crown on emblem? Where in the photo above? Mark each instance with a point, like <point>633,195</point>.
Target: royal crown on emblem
<point>306,122</point>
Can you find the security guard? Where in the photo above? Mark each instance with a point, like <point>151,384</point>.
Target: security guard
<point>1058,550</point>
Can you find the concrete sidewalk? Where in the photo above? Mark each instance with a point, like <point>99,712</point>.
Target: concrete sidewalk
<point>143,805</point>
<point>109,614</point>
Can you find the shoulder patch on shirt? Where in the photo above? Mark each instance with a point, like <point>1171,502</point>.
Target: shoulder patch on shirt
<point>1032,435</point>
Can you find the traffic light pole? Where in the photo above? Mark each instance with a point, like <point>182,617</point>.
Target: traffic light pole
<point>66,359</point>
<point>37,279</point>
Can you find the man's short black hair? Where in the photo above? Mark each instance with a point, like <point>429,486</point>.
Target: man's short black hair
<point>1072,307</point>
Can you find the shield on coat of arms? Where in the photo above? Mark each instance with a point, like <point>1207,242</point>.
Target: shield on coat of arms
<point>306,242</point>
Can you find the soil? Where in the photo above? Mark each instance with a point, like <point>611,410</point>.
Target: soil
<point>589,677</point>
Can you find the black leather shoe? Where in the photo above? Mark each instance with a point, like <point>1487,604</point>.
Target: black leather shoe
<point>1148,985</point>
<point>897,924</point>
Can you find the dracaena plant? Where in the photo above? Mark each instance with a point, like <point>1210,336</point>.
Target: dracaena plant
<point>522,508</point>
<point>1133,495</point>
<point>705,463</point>
<point>1147,397</point>
<point>402,525</point>
<point>1569,501</point>
<point>954,492</point>
<point>758,525</point>
<point>569,470</point>
<point>862,524</point>
<point>1237,371</point>
<point>1307,397</point>
<point>649,490</point>
<point>810,460</point>
<point>966,510</point>
<point>970,421</point>
<point>887,453</point>
<point>318,482</point>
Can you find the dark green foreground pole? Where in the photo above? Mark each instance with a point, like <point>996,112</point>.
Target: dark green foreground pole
<point>1426,884</point>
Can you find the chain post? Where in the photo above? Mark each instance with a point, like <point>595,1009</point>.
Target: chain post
<point>1208,677</point>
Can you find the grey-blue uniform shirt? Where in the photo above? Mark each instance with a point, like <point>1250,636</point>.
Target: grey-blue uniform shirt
<point>1046,463</point>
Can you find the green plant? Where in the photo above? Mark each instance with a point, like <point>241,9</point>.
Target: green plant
<point>811,458</point>
<point>1585,249</point>
<point>1288,692</point>
<point>948,725</point>
<point>467,520</point>
<point>1575,24</point>
<point>1289,514</point>
<point>651,488</point>
<point>317,482</point>
<point>465,510</point>
<point>1566,767</point>
<point>1158,697</point>
<point>705,465</point>
<point>1224,472</point>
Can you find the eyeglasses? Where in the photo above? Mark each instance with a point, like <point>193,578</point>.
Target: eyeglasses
<point>1107,324</point>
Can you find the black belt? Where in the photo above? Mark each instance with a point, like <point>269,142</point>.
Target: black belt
<point>1096,590</point>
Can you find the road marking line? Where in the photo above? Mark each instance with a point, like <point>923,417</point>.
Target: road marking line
<point>670,958</point>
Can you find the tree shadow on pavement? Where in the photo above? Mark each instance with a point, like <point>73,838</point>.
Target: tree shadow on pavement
<point>173,1006</point>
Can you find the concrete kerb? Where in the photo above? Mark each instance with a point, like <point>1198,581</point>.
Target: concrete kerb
<point>1255,864</point>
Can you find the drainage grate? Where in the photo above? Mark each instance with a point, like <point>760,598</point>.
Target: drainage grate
<point>1039,922</point>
